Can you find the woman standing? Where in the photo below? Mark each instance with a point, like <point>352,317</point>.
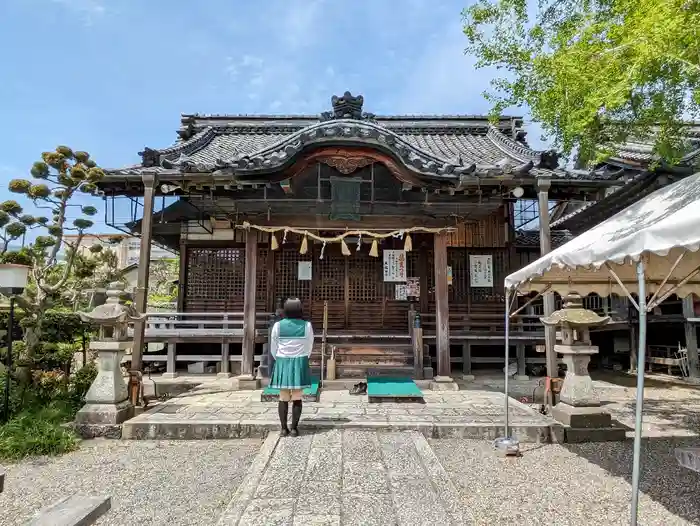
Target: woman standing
<point>292,340</point>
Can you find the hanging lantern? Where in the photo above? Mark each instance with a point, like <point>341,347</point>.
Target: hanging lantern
<point>323,249</point>
<point>284,237</point>
<point>408,244</point>
<point>344,248</point>
<point>304,245</point>
<point>374,251</point>
<point>273,242</point>
<point>359,242</point>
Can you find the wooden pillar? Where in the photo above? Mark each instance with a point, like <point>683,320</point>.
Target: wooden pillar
<point>520,356</point>
<point>467,361</point>
<point>270,274</point>
<point>543,185</point>
<point>422,274</point>
<point>150,181</point>
<point>632,335</point>
<point>442,311</point>
<point>225,370</point>
<point>691,337</point>
<point>251,261</point>
<point>417,340</point>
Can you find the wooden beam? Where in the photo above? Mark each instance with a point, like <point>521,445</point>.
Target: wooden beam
<point>270,276</point>
<point>251,260</point>
<point>442,312</point>
<point>150,181</point>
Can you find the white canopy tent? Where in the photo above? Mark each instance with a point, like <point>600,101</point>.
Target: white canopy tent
<point>650,248</point>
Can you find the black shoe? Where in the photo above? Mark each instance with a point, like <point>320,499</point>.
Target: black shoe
<point>284,432</point>
<point>294,432</point>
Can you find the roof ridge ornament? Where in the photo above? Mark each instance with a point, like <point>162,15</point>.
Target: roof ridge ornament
<point>347,106</point>
<point>149,157</point>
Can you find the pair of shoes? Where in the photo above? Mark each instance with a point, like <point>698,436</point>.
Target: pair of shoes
<point>359,389</point>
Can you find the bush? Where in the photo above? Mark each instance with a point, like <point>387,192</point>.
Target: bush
<point>38,431</point>
<point>39,413</point>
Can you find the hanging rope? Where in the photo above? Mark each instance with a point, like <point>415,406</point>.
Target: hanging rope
<point>335,239</point>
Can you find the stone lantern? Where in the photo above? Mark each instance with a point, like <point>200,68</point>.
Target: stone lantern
<point>579,406</point>
<point>107,401</point>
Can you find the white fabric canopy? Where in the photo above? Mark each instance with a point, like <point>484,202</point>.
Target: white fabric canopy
<point>662,226</point>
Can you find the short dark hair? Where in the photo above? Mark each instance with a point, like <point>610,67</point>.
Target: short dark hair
<point>293,309</point>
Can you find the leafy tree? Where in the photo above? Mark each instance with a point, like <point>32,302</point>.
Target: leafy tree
<point>93,269</point>
<point>59,179</point>
<point>594,73</point>
<point>163,274</point>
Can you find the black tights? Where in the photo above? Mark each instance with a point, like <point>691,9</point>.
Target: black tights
<point>283,410</point>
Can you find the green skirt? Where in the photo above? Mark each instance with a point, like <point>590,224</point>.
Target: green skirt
<point>291,373</point>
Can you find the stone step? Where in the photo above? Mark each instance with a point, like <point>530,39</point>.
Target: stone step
<point>76,510</point>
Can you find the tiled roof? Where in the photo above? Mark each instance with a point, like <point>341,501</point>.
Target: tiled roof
<point>641,152</point>
<point>531,238</point>
<point>444,146</point>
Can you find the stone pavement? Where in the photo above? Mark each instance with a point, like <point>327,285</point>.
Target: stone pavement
<point>208,412</point>
<point>346,477</point>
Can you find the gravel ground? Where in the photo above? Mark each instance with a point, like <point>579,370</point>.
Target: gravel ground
<point>573,484</point>
<point>174,483</point>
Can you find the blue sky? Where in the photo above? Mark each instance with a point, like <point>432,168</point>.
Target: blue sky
<point>111,76</point>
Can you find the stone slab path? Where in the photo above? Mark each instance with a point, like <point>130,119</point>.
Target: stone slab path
<point>346,478</point>
<point>211,412</point>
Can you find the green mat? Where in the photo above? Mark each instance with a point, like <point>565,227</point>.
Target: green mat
<point>392,387</point>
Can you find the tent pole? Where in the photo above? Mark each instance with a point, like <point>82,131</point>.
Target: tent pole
<point>507,337</point>
<point>636,463</point>
<point>506,444</point>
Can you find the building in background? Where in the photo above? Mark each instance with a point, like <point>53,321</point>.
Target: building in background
<point>126,247</point>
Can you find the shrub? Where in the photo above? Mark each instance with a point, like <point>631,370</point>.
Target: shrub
<point>38,431</point>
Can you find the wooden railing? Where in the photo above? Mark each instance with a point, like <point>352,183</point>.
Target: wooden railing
<point>485,326</point>
<point>219,327</point>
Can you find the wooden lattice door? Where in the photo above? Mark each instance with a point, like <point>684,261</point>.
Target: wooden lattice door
<point>215,280</point>
<point>329,285</point>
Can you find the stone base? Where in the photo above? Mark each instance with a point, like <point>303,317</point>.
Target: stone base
<point>98,430</point>
<point>105,414</point>
<point>170,376</point>
<point>76,510</point>
<point>468,377</point>
<point>522,377</point>
<point>248,383</point>
<point>428,373</point>
<point>581,417</point>
<point>223,376</point>
<point>443,383</point>
<point>601,434</point>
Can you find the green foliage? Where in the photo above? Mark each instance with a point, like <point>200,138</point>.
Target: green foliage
<point>594,73</point>
<point>163,273</point>
<point>38,431</point>
<point>40,411</point>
